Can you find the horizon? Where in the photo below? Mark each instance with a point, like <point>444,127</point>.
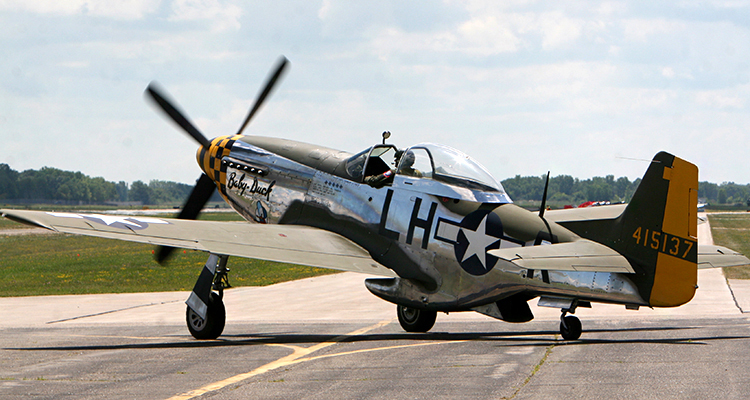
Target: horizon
<point>501,180</point>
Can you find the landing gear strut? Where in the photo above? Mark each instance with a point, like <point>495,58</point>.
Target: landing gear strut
<point>415,320</point>
<point>205,314</point>
<point>570,326</point>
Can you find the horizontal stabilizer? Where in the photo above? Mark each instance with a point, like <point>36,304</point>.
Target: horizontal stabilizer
<point>564,215</point>
<point>581,255</point>
<point>710,256</point>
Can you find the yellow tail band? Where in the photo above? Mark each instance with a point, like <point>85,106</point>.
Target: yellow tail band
<point>676,273</point>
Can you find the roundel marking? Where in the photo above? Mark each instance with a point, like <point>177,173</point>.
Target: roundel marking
<point>479,231</point>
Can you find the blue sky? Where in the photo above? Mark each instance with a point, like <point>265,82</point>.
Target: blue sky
<point>578,88</point>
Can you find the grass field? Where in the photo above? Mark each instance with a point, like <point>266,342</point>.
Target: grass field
<point>8,224</point>
<point>732,230</point>
<point>69,264</point>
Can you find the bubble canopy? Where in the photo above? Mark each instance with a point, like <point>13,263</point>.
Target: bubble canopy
<point>443,163</point>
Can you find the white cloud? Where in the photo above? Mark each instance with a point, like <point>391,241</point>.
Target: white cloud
<point>117,9</point>
<point>486,35</point>
<point>667,72</point>
<point>612,8</point>
<point>325,9</point>
<point>488,32</point>
<point>558,30</point>
<point>517,84</point>
<point>641,30</point>
<point>222,14</point>
<point>720,99</point>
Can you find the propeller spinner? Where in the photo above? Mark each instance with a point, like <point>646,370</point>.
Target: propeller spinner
<point>204,188</point>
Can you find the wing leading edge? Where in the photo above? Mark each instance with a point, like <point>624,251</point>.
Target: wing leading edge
<point>283,243</point>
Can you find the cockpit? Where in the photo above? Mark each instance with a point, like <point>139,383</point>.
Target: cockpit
<point>424,161</point>
<point>376,160</point>
<point>446,164</point>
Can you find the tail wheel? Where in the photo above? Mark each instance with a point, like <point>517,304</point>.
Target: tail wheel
<point>570,328</point>
<point>213,325</point>
<point>415,320</point>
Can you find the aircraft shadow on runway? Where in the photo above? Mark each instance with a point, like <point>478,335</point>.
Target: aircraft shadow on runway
<point>507,338</point>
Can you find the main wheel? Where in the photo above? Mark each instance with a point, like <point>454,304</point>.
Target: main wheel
<point>414,320</point>
<point>213,325</point>
<point>570,328</point>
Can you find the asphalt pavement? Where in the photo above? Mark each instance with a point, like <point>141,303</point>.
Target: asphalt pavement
<point>327,337</point>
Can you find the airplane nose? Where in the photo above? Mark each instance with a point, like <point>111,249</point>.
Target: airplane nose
<point>209,158</point>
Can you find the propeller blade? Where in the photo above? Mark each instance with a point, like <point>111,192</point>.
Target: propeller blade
<point>270,83</point>
<point>177,116</point>
<point>195,203</point>
<point>543,207</point>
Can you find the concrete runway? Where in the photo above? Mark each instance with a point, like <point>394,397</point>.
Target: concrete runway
<point>327,337</point>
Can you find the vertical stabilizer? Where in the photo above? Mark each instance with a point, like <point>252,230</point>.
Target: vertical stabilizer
<point>658,231</point>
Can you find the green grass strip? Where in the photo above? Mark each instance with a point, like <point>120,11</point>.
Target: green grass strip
<point>732,230</point>
<point>55,264</point>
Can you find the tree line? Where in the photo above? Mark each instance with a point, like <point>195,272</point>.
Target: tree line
<point>51,184</point>
<point>568,190</point>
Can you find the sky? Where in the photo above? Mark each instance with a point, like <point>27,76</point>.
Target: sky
<point>576,88</point>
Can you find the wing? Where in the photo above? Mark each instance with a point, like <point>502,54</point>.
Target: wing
<point>581,255</point>
<point>710,256</point>
<point>283,243</point>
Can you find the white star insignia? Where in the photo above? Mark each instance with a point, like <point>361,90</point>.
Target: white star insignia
<point>109,220</point>
<point>478,242</point>
<point>113,219</point>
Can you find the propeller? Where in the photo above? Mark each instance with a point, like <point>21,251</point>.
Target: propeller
<point>205,186</point>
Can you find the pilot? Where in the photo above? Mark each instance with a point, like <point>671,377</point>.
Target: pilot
<point>407,165</point>
<point>379,180</point>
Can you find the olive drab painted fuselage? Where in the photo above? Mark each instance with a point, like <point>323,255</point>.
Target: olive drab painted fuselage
<point>434,233</point>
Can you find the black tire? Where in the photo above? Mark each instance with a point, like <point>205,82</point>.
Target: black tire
<point>573,329</point>
<point>213,325</point>
<point>415,320</point>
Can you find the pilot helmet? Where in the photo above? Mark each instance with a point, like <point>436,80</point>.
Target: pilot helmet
<point>408,159</point>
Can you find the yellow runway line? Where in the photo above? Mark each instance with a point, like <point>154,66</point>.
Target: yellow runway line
<point>295,357</point>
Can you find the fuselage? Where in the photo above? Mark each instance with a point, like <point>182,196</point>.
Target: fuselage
<point>433,233</point>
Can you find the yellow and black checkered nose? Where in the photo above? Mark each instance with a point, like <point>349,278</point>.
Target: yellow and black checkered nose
<point>209,159</point>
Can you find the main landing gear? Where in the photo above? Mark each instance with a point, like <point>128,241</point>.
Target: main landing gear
<point>205,314</point>
<point>415,320</point>
<point>570,326</point>
<point>211,326</point>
